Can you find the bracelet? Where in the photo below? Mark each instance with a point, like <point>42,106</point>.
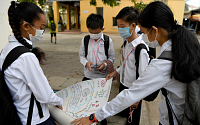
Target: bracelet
<point>94,118</point>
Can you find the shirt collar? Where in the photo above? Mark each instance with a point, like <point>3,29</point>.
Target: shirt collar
<point>135,42</point>
<point>13,39</point>
<point>165,46</point>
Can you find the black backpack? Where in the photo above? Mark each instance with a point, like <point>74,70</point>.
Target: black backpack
<point>106,44</point>
<point>53,26</point>
<point>8,111</point>
<point>152,54</point>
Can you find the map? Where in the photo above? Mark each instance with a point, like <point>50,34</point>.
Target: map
<point>85,98</point>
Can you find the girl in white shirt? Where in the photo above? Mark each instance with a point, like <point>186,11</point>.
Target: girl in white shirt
<point>25,76</point>
<point>157,23</point>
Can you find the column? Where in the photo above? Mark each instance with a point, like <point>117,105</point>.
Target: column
<point>68,17</point>
<point>77,18</point>
<point>56,13</point>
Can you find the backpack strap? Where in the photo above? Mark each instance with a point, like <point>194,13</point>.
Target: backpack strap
<point>86,42</point>
<point>106,44</point>
<point>167,55</point>
<point>137,55</point>
<point>10,58</point>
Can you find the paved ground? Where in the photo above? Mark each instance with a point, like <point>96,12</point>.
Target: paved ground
<point>64,69</point>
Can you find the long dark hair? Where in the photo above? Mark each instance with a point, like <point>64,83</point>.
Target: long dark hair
<point>129,14</point>
<point>185,45</point>
<point>29,12</point>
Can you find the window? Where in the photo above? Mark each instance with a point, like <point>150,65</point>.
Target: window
<point>114,21</point>
<point>100,11</point>
<point>118,1</point>
<point>164,1</point>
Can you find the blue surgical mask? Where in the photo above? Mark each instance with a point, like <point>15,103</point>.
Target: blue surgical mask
<point>124,32</point>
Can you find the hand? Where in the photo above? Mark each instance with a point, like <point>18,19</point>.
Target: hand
<point>113,74</point>
<point>102,65</point>
<point>135,105</point>
<point>60,107</point>
<point>88,64</point>
<point>82,121</point>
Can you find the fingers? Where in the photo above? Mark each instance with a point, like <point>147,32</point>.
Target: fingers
<point>108,77</point>
<point>75,121</point>
<point>102,66</point>
<point>60,107</point>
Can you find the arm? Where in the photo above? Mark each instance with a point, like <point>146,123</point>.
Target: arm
<point>37,82</point>
<point>145,85</point>
<point>111,51</point>
<point>143,61</point>
<point>83,60</point>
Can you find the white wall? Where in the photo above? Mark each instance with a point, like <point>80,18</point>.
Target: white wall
<point>5,29</point>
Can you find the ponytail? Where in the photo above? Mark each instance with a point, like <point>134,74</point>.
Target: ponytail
<point>186,55</point>
<point>24,11</point>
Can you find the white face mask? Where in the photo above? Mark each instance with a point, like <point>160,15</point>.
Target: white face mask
<point>153,44</point>
<point>95,36</point>
<point>38,35</point>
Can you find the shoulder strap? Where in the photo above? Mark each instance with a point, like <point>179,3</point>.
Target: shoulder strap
<point>137,55</point>
<point>106,44</point>
<point>86,41</point>
<point>12,56</point>
<point>169,108</point>
<point>124,44</point>
<point>167,55</point>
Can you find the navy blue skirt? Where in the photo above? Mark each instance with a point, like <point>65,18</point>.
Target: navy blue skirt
<point>49,121</point>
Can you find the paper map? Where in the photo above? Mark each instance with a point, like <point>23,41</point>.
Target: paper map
<point>85,98</point>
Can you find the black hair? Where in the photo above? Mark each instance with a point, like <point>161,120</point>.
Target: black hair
<point>129,14</point>
<point>185,45</point>
<point>95,21</point>
<point>51,18</point>
<point>24,11</point>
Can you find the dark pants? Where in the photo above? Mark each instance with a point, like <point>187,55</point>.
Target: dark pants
<point>160,123</point>
<point>136,113</point>
<point>49,121</point>
<point>103,122</point>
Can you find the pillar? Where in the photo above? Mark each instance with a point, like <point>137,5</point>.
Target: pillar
<point>56,13</point>
<point>77,18</point>
<point>68,17</point>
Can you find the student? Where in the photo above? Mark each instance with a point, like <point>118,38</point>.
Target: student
<point>157,23</point>
<point>96,56</point>
<point>96,59</point>
<point>127,20</point>
<point>52,26</point>
<point>25,76</point>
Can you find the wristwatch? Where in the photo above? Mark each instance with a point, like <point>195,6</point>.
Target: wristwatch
<point>92,118</point>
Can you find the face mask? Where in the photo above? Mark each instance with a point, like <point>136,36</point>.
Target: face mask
<point>38,35</point>
<point>124,32</point>
<point>95,36</point>
<point>153,44</point>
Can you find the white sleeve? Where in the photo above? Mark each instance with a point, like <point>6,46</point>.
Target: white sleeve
<point>83,60</point>
<point>119,69</point>
<point>111,51</point>
<point>150,81</point>
<point>37,82</point>
<point>143,61</point>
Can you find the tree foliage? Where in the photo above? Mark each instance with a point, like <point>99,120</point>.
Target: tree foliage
<point>141,5</point>
<point>40,2</point>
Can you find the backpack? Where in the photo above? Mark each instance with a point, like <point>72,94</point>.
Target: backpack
<point>8,111</point>
<point>106,44</point>
<point>53,26</point>
<point>192,99</point>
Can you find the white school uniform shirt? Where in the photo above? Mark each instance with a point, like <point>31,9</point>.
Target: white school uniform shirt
<point>156,75</point>
<point>100,56</point>
<point>130,68</point>
<point>25,76</point>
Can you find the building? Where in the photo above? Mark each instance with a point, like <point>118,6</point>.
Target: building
<point>84,8</point>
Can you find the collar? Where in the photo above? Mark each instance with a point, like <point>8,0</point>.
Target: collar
<point>13,39</point>
<point>166,46</point>
<point>135,42</point>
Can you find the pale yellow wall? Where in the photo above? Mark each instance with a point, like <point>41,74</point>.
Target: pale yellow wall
<point>108,13</point>
<point>177,7</point>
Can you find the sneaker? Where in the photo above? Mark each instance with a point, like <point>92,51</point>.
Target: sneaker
<point>51,42</point>
<point>55,42</point>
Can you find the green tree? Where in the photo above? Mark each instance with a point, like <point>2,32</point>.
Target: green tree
<point>186,5</point>
<point>40,2</point>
